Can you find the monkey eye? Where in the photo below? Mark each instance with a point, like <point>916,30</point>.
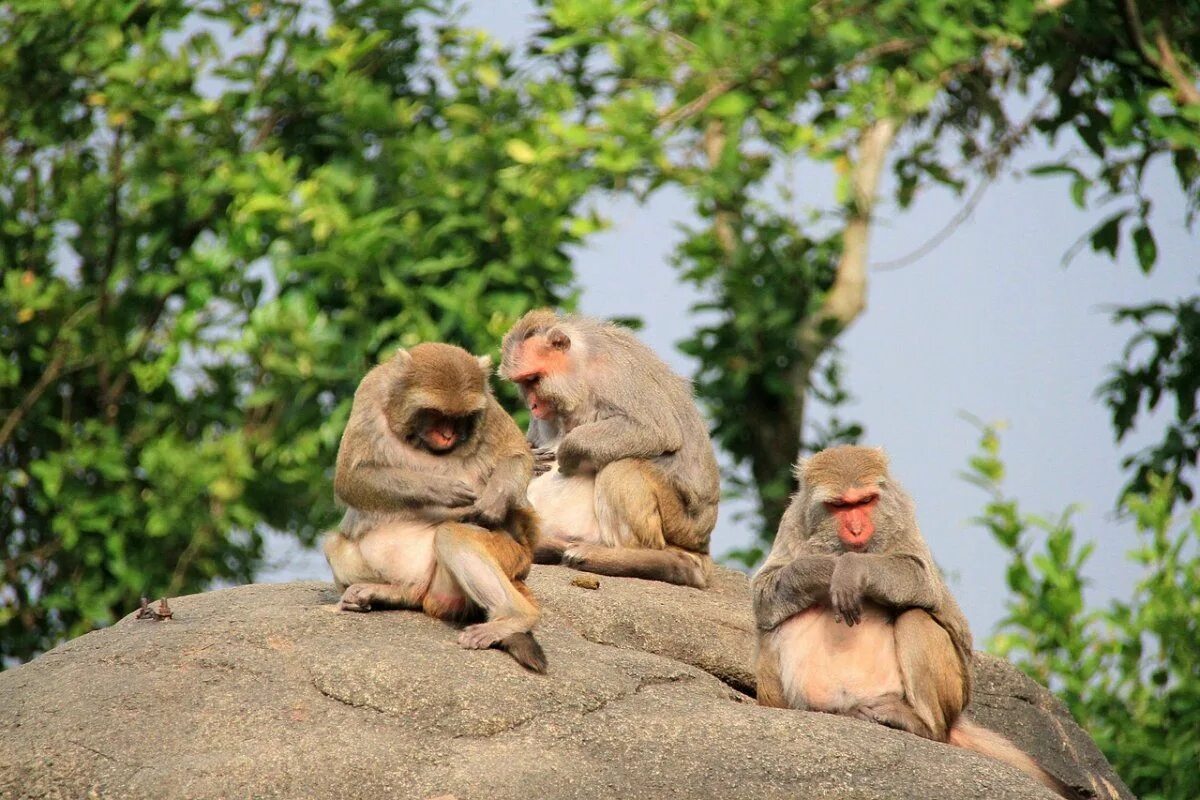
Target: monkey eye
<point>836,503</point>
<point>532,381</point>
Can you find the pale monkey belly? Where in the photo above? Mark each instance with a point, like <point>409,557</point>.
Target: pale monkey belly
<point>566,506</point>
<point>401,553</point>
<point>829,666</point>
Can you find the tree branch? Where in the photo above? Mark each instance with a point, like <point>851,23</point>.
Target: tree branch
<point>1184,84</point>
<point>847,297</point>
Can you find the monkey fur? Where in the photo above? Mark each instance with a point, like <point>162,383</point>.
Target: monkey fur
<point>433,473</point>
<point>632,483</point>
<point>855,619</point>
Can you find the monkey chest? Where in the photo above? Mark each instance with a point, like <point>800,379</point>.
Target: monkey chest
<point>829,666</point>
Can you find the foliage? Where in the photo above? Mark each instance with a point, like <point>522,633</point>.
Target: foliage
<point>213,220</point>
<point>1161,359</point>
<point>1127,671</point>
<point>722,97</point>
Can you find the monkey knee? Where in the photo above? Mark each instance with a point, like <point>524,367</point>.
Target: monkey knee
<point>628,506</point>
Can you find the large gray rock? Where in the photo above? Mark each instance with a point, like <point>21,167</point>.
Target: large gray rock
<point>265,691</point>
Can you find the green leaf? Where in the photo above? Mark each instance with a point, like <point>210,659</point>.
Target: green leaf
<point>731,104</point>
<point>1145,247</point>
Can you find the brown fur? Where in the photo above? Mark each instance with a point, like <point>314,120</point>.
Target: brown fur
<point>628,429</point>
<point>449,532</point>
<point>874,632</point>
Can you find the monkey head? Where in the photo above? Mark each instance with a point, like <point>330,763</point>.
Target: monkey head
<point>439,403</point>
<point>542,354</point>
<point>850,499</point>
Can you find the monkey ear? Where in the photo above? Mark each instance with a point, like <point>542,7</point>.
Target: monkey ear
<point>401,358</point>
<point>882,455</point>
<point>485,364</point>
<point>798,470</point>
<point>558,339</point>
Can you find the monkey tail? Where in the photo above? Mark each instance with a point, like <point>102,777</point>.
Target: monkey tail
<point>970,736</point>
<point>525,649</point>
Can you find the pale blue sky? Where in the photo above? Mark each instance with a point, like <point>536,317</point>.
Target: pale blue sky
<point>989,323</point>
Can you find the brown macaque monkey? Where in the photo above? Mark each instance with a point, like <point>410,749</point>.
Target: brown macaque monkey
<point>633,486</point>
<point>855,619</point>
<point>433,473</point>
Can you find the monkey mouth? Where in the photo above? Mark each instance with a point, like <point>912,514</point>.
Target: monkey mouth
<point>440,441</point>
<point>855,541</point>
<point>538,407</point>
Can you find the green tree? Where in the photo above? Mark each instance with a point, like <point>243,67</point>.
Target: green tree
<point>213,220</point>
<point>1127,671</point>
<point>719,97</point>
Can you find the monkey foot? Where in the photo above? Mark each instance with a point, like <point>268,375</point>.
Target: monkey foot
<point>486,634</point>
<point>577,555</point>
<point>356,598</point>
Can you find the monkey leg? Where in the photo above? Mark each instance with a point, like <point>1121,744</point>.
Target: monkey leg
<point>483,564</point>
<point>374,596</point>
<point>549,549</point>
<point>640,519</point>
<point>671,565</point>
<point>766,669</point>
<point>893,712</point>
<point>346,562</point>
<point>930,671</point>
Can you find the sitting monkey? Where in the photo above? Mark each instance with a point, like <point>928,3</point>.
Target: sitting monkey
<point>635,485</point>
<point>433,473</point>
<point>854,617</point>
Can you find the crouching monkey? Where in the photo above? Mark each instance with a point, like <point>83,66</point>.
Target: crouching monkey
<point>433,473</point>
<point>854,617</point>
<point>634,486</point>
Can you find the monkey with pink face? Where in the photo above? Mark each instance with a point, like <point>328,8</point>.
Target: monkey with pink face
<point>855,619</point>
<point>632,485</point>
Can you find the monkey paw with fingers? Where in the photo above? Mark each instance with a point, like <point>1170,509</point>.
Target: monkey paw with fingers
<point>356,598</point>
<point>578,555</point>
<point>485,634</point>
<point>846,589</point>
<point>489,512</point>
<point>543,459</point>
<point>455,494</point>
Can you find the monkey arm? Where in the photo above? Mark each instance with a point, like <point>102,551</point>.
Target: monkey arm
<point>369,487</point>
<point>505,489</point>
<point>898,580</point>
<point>613,439</point>
<point>785,588</point>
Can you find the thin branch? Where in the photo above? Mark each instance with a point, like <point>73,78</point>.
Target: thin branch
<point>1184,83</point>
<point>48,376</point>
<point>991,168</point>
<point>944,233</point>
<point>846,299</point>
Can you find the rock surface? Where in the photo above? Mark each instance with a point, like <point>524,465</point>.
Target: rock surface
<point>264,691</point>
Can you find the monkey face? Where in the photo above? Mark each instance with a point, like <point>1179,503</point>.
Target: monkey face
<point>853,511</point>
<point>439,400</point>
<point>845,486</point>
<point>438,433</point>
<point>542,368</point>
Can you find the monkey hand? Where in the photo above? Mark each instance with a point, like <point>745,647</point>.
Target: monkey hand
<point>543,459</point>
<point>846,588</point>
<point>489,511</point>
<point>573,460</point>
<point>454,494</point>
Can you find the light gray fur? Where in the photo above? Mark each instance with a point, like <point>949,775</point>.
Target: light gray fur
<point>382,479</point>
<point>634,407</point>
<point>896,570</point>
